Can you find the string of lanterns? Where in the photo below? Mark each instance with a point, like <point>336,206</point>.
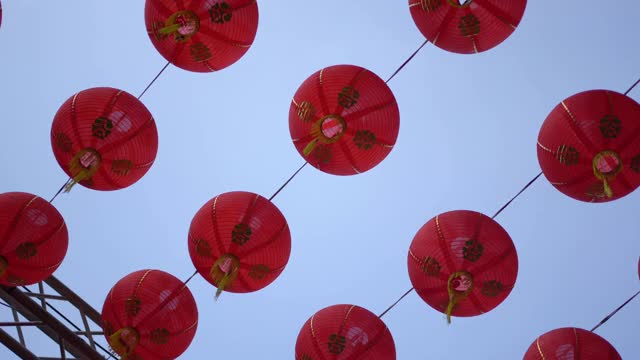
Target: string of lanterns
<point>343,120</point>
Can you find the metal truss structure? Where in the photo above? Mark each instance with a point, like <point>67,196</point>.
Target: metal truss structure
<point>34,309</point>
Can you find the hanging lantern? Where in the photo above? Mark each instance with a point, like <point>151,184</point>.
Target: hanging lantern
<point>34,239</point>
<point>569,344</point>
<point>344,120</point>
<point>239,242</point>
<point>589,146</point>
<point>344,332</point>
<point>462,263</point>
<point>149,315</point>
<point>467,26</point>
<point>202,35</point>
<point>104,139</point>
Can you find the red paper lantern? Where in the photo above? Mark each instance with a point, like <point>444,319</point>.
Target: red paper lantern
<point>569,344</point>
<point>104,138</point>
<point>202,35</point>
<point>149,315</point>
<point>344,120</point>
<point>467,26</point>
<point>589,146</point>
<point>462,263</point>
<point>34,239</point>
<point>344,332</point>
<point>239,242</point>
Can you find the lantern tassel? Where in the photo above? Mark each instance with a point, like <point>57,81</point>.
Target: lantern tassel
<point>456,296</point>
<point>81,172</point>
<point>607,188</point>
<point>224,271</point>
<point>123,347</point>
<point>81,176</point>
<point>453,300</point>
<point>168,30</point>
<point>607,157</point>
<point>310,146</point>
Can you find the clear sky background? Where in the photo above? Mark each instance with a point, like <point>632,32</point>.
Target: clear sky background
<point>468,131</point>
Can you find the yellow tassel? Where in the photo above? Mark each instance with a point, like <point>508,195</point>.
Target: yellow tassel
<point>455,296</point>
<point>183,24</point>
<point>605,177</point>
<point>83,166</point>
<point>168,30</point>
<point>124,346</point>
<point>224,277</point>
<point>607,188</point>
<point>452,303</point>
<point>310,146</point>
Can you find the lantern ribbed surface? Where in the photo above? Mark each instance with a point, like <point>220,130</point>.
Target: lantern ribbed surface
<point>589,146</point>
<point>33,238</point>
<point>471,27</point>
<point>344,332</point>
<point>202,35</point>
<point>149,315</point>
<point>571,344</point>
<point>462,260</point>
<point>344,120</point>
<point>105,138</point>
<point>241,237</point>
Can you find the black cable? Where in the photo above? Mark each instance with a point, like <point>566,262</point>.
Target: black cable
<point>632,86</point>
<point>59,191</point>
<point>606,318</point>
<point>191,277</point>
<point>407,61</point>
<point>154,79</point>
<point>395,303</point>
<point>287,182</point>
<point>518,194</point>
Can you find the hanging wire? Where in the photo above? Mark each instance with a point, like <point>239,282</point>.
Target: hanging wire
<point>407,61</point>
<point>518,194</point>
<point>60,191</point>
<point>287,182</point>
<point>632,86</point>
<point>394,304</point>
<point>616,310</point>
<point>191,277</point>
<point>154,79</point>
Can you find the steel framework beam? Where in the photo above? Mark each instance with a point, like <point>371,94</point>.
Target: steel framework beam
<point>39,313</point>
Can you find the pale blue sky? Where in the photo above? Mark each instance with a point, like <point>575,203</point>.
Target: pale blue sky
<point>468,131</point>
